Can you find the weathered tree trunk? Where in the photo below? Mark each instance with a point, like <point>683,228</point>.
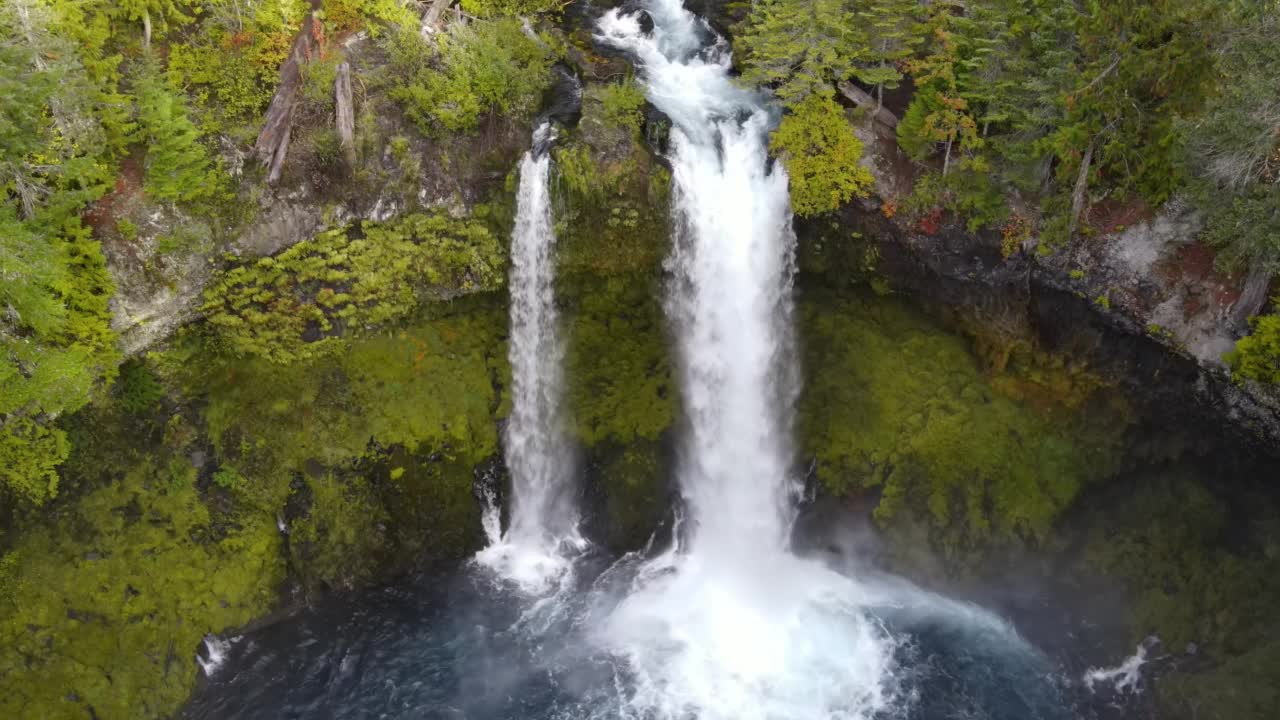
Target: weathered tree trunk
<point>1252,298</point>
<point>860,98</point>
<point>146,29</point>
<point>277,161</point>
<point>431,18</point>
<point>273,141</point>
<point>1081,190</point>
<point>345,116</point>
<point>946,160</point>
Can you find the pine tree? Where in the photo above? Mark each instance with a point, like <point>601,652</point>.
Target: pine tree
<point>821,154</point>
<point>800,47</point>
<point>939,113</point>
<point>893,30</point>
<point>178,166</point>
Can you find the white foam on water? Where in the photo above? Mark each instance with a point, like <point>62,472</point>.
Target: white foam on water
<point>1125,677</point>
<point>216,649</point>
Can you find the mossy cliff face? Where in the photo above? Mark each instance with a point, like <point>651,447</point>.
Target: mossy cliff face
<point>209,483</point>
<point>894,404</point>
<point>1039,443</point>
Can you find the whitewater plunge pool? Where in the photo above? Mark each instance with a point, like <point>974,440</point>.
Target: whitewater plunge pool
<point>462,646</point>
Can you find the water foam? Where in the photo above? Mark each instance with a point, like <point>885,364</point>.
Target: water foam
<point>729,623</point>
<point>537,549</point>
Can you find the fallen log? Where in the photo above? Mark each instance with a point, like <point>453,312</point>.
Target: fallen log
<point>273,142</point>
<point>863,99</point>
<point>344,114</point>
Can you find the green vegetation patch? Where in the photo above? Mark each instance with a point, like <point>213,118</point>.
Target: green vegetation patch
<point>618,366</point>
<point>893,402</point>
<point>284,308</point>
<point>434,385</point>
<point>1257,356</point>
<point>1199,569</point>
<point>107,601</point>
<point>821,153</point>
<point>482,68</point>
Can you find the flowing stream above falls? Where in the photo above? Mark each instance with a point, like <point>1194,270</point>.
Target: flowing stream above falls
<point>727,623</point>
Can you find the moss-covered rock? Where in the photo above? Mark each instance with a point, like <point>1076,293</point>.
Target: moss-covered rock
<point>893,402</point>
<point>107,602</point>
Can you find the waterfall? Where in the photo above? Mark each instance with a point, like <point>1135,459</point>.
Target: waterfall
<point>729,624</point>
<point>543,528</point>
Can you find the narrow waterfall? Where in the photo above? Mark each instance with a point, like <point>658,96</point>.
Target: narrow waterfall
<point>729,624</point>
<point>543,518</point>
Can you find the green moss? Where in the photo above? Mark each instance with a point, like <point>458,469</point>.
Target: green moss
<point>1242,688</point>
<point>635,500</point>
<point>116,591</point>
<point>612,197</point>
<point>434,384</point>
<point>293,305</point>
<point>338,542</point>
<point>1165,538</point>
<point>894,403</point>
<point>432,513</point>
<point>618,366</point>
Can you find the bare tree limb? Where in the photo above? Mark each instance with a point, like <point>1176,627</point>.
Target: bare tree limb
<point>1253,297</point>
<point>344,114</point>
<point>431,18</point>
<point>1081,190</point>
<point>859,97</point>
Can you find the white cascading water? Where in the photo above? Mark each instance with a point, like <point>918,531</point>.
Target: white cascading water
<point>730,625</point>
<point>536,548</point>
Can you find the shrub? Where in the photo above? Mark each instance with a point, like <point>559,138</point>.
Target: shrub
<point>1257,356</point>
<point>623,105</point>
<point>821,153</point>
<point>482,68</point>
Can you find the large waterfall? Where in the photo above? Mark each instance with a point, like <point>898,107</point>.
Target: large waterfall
<point>543,516</point>
<point>729,624</point>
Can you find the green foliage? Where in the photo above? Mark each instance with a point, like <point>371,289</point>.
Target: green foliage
<point>334,542</point>
<point>821,153</point>
<point>623,104</point>
<point>375,15</point>
<point>228,478</point>
<point>137,389</point>
<point>318,81</point>
<point>1235,147</point>
<point>576,169</point>
<point>967,191</point>
<point>343,281</point>
<point>895,403</point>
<point>482,68</point>
<point>30,453</point>
<point>117,590</point>
<point>1257,356</point>
<point>617,367</point>
<point>1163,538</point>
<point>510,8</point>
<point>799,47</point>
<point>178,166</point>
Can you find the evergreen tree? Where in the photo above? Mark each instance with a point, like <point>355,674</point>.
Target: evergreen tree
<point>801,47</point>
<point>178,166</point>
<point>939,114</point>
<point>893,29</point>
